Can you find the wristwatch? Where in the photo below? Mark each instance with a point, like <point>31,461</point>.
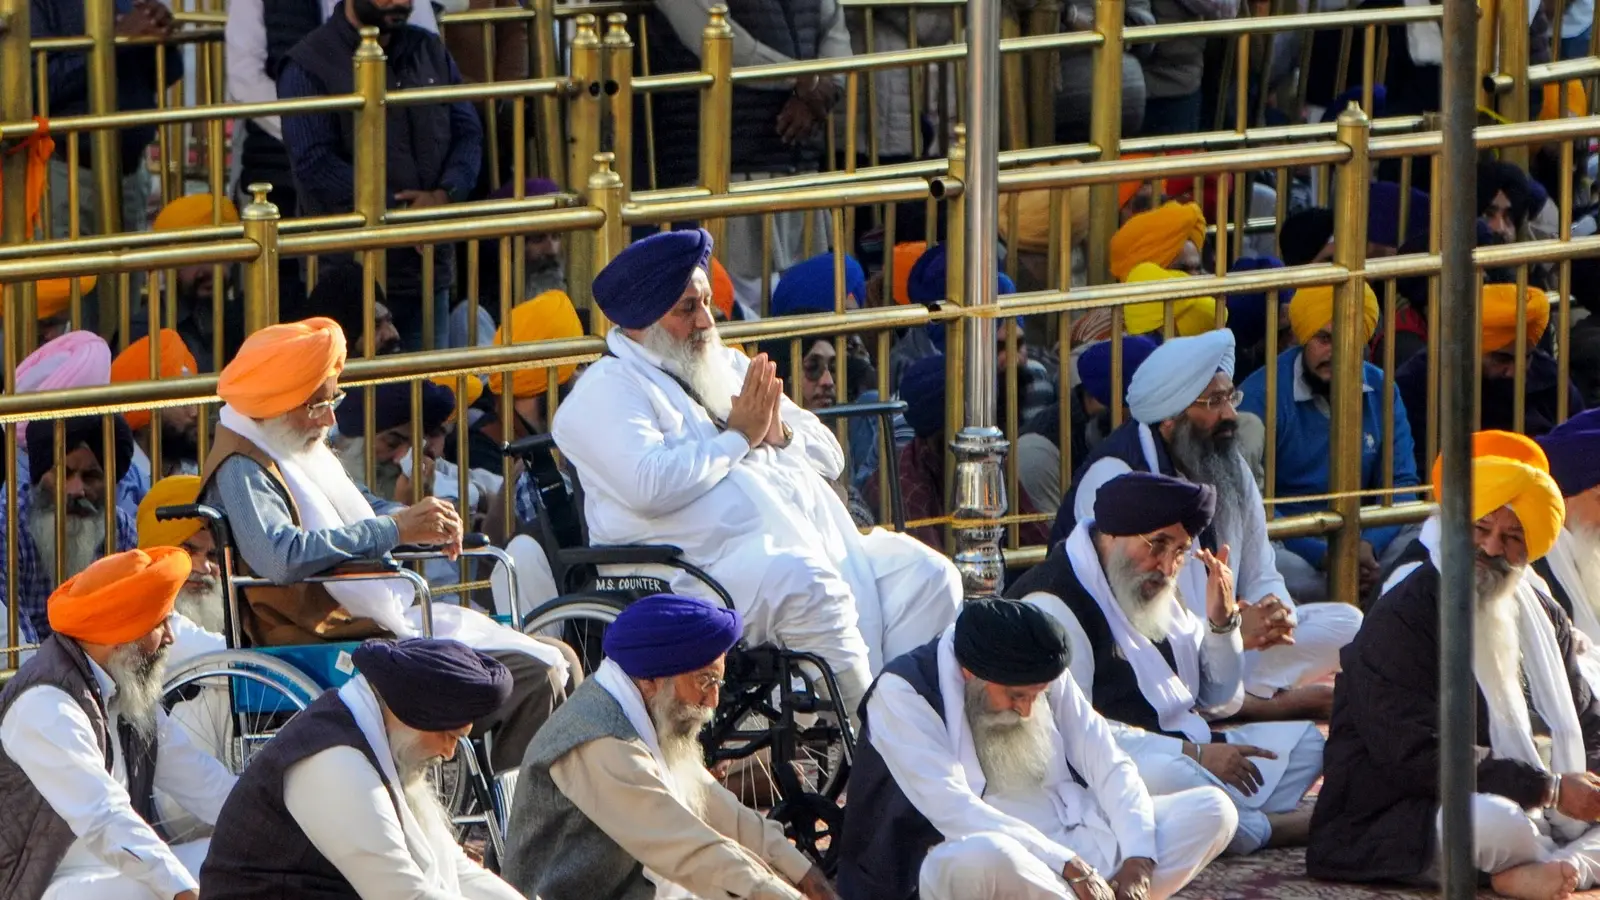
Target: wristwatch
<point>1228,626</point>
<point>788,435</point>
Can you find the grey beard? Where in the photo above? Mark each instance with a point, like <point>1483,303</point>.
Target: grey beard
<point>423,801</point>
<point>1205,463</point>
<point>539,280</point>
<point>138,678</point>
<point>283,440</point>
<point>84,535</point>
<point>700,362</point>
<point>1151,618</point>
<point>202,603</point>
<point>678,726</point>
<point>1013,752</point>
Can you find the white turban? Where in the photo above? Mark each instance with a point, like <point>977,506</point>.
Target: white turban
<point>1176,374</point>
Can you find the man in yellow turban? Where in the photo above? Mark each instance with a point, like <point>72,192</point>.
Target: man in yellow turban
<point>53,304</point>
<point>1169,236</point>
<point>85,743</point>
<point>200,600</point>
<point>1534,813</point>
<point>197,287</point>
<point>1190,316</point>
<point>294,513</point>
<point>180,425</point>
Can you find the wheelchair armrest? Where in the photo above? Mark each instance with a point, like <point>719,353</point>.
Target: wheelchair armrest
<point>527,445</point>
<point>620,554</point>
<point>362,567</point>
<point>470,541</point>
<point>188,511</point>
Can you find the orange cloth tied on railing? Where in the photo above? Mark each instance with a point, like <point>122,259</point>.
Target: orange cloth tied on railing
<point>39,146</point>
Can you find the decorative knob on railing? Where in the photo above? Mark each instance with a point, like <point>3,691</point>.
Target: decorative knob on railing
<point>260,207</point>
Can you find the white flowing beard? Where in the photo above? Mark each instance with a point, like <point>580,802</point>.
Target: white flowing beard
<point>1151,618</point>
<point>200,601</point>
<point>84,534</point>
<point>412,764</point>
<point>1497,646</point>
<point>1014,752</point>
<point>701,362</point>
<point>307,449</point>
<point>138,677</point>
<point>678,726</point>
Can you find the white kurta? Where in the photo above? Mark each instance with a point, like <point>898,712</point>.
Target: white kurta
<point>763,522</point>
<point>1577,567</point>
<point>1015,845</point>
<point>1321,629</point>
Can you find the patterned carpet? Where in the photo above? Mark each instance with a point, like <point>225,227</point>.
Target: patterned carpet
<point>1280,875</point>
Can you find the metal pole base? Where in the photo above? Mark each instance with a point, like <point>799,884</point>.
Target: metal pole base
<point>980,493</point>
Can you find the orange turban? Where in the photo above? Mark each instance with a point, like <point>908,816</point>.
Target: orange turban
<point>133,364</point>
<point>120,598</point>
<point>1126,189</point>
<point>1500,316</point>
<point>173,490</point>
<point>1311,310</point>
<point>1190,316</point>
<point>906,256</point>
<point>52,296</point>
<point>281,366</point>
<point>1577,101</point>
<point>721,289</point>
<point>1156,237</point>
<point>193,211</point>
<point>546,317</point>
<point>1509,469</point>
<point>40,148</point>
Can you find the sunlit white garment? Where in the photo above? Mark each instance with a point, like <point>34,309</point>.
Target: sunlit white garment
<point>116,854</point>
<point>1577,567</point>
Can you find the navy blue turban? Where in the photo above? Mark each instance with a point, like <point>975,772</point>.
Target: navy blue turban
<point>646,279</point>
<point>1011,643</point>
<point>1142,502</point>
<point>1094,364</point>
<point>434,685</point>
<point>533,187</point>
<point>666,635</point>
<point>807,287</point>
<point>1574,451</point>
<point>1247,313</point>
<point>82,431</point>
<point>922,388</point>
<point>391,404</point>
<point>1383,215</point>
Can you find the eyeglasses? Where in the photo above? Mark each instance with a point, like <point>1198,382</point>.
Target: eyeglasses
<point>1163,547</point>
<point>707,682</point>
<point>326,406</point>
<point>1212,401</point>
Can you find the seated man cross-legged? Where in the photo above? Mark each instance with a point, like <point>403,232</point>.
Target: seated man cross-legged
<point>680,440</point>
<point>614,798</point>
<point>1119,584</point>
<point>295,513</point>
<point>983,773</point>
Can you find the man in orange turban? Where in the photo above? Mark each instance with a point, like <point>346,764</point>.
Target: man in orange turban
<point>196,285</point>
<point>295,512</point>
<point>85,743</point>
<point>180,425</point>
<point>1534,811</point>
<point>1169,236</point>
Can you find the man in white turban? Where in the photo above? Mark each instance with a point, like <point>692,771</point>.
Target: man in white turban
<point>1183,402</point>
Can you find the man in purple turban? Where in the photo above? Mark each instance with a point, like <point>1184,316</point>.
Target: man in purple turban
<point>679,440</point>
<point>1571,569</point>
<point>614,798</point>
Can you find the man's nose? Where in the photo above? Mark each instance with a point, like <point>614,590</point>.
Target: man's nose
<point>1023,707</point>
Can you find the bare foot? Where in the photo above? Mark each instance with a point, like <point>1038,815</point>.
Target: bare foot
<point>1537,881</point>
<point>1313,701</point>
<point>1290,829</point>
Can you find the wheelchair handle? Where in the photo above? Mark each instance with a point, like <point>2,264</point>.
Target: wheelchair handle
<point>884,409</point>
<point>522,447</point>
<point>189,511</point>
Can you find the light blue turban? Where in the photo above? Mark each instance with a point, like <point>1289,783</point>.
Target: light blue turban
<point>1176,374</point>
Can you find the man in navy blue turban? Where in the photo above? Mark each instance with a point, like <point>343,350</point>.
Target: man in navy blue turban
<point>680,440</point>
<point>614,798</point>
<point>1572,567</point>
<point>391,445</point>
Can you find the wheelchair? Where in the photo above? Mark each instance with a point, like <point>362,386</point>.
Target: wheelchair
<point>232,701</point>
<point>779,707</point>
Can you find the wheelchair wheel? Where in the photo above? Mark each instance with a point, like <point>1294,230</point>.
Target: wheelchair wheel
<point>580,621</point>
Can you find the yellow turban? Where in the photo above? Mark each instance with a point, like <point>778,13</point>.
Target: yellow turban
<point>1156,237</point>
<point>1509,469</point>
<point>120,598</point>
<point>1311,310</point>
<point>53,295</point>
<point>546,317</point>
<point>474,388</point>
<point>173,490</point>
<point>1500,316</point>
<point>133,364</point>
<point>1191,315</point>
<point>1033,218</point>
<point>281,366</point>
<point>193,211</point>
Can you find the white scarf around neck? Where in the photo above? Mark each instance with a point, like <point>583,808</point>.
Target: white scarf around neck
<point>1171,694</point>
<point>438,864</point>
<point>1577,567</point>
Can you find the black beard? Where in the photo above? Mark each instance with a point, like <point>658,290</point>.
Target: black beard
<point>178,444</point>
<point>385,20</point>
<point>1318,385</point>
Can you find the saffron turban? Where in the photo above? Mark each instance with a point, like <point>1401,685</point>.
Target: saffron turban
<point>546,317</point>
<point>81,431</point>
<point>721,289</point>
<point>1190,316</point>
<point>1094,365</point>
<point>1011,643</point>
<point>1577,101</point>
<point>1311,310</point>
<point>647,278</point>
<point>1573,451</point>
<point>1383,215</point>
<point>391,408</point>
<point>922,388</point>
<point>665,635</point>
<point>1500,316</point>
<point>280,367</point>
<point>474,387</point>
<point>807,286</point>
<point>1511,470</point>
<point>133,364</point>
<point>120,598</point>
<point>1175,374</point>
<point>77,359</point>
<point>52,296</point>
<point>434,685</point>
<point>905,258</point>
<point>1142,502</point>
<point>1156,237</point>
<point>173,490</point>
<point>1304,234</point>
<point>1247,313</point>
<point>1126,189</point>
<point>533,187</point>
<point>193,211</point>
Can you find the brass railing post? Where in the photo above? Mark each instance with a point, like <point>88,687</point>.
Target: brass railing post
<point>16,106</point>
<point>606,191</point>
<point>1513,63</point>
<point>716,114</point>
<point>99,22</point>
<point>583,142</point>
<point>619,90</point>
<point>954,292</point>
<point>551,141</point>
<point>371,152</point>
<point>1105,132</point>
<point>1043,70</point>
<point>260,219</point>
<point>1344,450</point>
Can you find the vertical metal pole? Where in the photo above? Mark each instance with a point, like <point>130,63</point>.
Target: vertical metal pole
<point>549,105</point>
<point>1513,41</point>
<point>260,220</point>
<point>99,21</point>
<point>979,487</point>
<point>371,155</point>
<point>1043,70</point>
<point>583,142</point>
<point>16,106</point>
<point>1344,462</point>
<point>619,87</point>
<point>1105,132</point>
<point>607,191</point>
<point>716,114</point>
<point>1458,333</point>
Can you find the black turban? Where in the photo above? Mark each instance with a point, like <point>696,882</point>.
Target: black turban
<point>82,431</point>
<point>434,685</point>
<point>391,404</point>
<point>337,295</point>
<point>1011,643</point>
<point>1142,502</point>
<point>1304,234</point>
